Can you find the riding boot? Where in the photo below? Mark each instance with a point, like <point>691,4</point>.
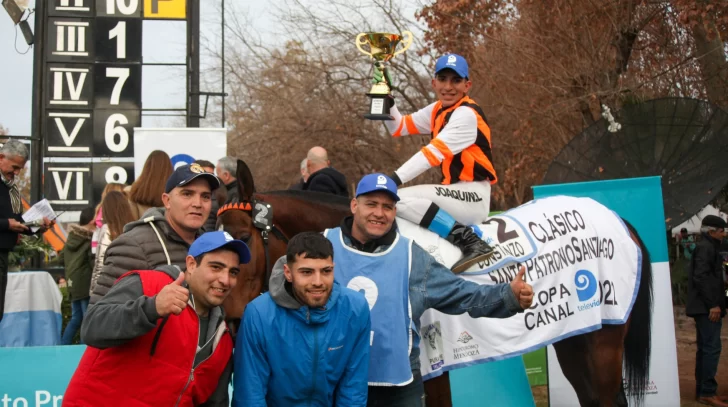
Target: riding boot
<point>474,248</point>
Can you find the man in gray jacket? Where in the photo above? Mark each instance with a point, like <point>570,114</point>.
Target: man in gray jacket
<point>163,235</point>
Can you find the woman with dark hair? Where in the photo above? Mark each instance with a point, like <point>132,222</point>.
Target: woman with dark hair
<point>117,213</point>
<point>146,191</point>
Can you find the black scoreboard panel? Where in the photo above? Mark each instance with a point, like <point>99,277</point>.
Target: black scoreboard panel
<point>92,97</point>
<point>68,133</point>
<point>118,86</point>
<point>68,185</point>
<point>104,173</point>
<point>119,8</point>
<point>123,42</point>
<point>113,130</point>
<point>92,93</point>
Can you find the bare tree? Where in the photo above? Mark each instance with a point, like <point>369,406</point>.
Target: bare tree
<point>312,91</point>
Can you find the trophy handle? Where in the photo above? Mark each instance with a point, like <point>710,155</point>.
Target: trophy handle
<point>359,43</point>
<point>406,43</point>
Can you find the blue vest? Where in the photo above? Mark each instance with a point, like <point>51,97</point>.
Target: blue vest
<point>384,280</point>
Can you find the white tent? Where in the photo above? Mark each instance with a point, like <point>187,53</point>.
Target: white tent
<point>693,224</point>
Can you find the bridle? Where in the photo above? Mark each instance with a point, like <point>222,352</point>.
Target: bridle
<point>262,215</point>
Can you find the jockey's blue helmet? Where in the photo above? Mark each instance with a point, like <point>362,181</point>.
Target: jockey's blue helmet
<point>454,62</point>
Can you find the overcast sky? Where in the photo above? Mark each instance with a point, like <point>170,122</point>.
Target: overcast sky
<point>162,87</point>
<point>163,42</point>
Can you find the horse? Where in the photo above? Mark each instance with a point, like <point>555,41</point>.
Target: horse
<point>592,362</point>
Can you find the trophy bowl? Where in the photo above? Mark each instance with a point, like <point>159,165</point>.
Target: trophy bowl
<point>382,48</point>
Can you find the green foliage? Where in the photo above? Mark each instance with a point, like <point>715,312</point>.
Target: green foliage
<point>28,247</point>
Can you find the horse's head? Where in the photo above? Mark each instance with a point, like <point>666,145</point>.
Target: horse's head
<point>277,215</point>
<point>248,220</point>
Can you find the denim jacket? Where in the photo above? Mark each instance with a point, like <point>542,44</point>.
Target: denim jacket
<point>432,285</point>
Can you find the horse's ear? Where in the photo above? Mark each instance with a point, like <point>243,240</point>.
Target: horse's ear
<point>246,186</point>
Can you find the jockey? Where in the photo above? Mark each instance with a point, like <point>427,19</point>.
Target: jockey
<point>461,146</point>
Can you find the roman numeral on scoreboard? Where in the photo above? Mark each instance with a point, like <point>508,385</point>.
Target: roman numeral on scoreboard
<point>69,183</point>
<point>75,5</point>
<point>69,137</point>
<point>92,81</point>
<point>68,84</point>
<point>71,38</point>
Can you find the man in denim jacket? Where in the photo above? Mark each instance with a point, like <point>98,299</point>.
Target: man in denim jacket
<point>400,280</point>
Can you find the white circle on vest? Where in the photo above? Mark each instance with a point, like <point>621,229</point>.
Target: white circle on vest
<point>367,286</point>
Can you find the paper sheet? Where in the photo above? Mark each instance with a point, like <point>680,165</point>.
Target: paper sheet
<point>38,211</point>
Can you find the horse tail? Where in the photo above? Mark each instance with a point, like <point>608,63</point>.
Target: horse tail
<point>638,340</point>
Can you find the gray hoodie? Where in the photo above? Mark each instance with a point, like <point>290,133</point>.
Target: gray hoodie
<point>145,244</point>
<point>277,287</point>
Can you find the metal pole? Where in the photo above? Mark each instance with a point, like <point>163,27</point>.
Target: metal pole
<point>193,58</point>
<point>223,62</point>
<point>37,142</point>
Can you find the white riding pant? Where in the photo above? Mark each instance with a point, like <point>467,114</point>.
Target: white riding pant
<point>467,202</point>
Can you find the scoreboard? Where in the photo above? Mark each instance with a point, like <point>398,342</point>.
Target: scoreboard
<point>92,93</point>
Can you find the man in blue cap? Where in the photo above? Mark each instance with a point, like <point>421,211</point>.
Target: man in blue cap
<point>461,146</point>
<point>400,280</point>
<point>159,337</point>
<point>162,235</point>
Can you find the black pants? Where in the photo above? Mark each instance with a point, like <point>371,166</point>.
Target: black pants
<point>706,359</point>
<point>3,280</point>
<point>411,395</point>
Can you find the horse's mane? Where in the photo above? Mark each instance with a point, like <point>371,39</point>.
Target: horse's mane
<point>315,197</point>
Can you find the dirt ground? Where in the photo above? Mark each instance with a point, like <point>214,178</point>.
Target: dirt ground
<point>685,338</point>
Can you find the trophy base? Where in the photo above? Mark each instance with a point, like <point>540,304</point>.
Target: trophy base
<point>379,107</point>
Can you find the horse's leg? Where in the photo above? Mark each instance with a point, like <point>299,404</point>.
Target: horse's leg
<point>573,356</point>
<point>437,391</point>
<point>606,350</point>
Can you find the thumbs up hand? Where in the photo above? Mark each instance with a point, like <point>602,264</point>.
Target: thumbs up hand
<point>173,297</point>
<point>521,289</point>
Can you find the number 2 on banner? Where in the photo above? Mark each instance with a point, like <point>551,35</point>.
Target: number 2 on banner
<point>119,32</point>
<point>112,130</point>
<point>122,74</point>
<point>126,7</point>
<point>503,236</point>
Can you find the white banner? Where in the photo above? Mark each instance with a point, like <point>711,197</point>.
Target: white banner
<point>580,260</point>
<point>183,145</point>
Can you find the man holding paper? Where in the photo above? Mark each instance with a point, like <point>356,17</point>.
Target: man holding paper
<point>13,156</point>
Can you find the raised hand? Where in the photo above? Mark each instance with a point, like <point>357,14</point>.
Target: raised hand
<point>521,289</point>
<point>173,297</point>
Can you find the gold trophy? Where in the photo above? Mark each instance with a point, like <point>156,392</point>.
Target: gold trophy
<point>382,48</point>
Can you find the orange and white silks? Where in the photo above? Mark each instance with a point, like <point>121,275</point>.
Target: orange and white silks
<point>462,149</point>
<point>475,163</point>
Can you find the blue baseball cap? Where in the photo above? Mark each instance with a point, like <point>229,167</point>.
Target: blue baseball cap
<point>377,182</point>
<point>211,241</point>
<point>184,174</point>
<point>454,62</point>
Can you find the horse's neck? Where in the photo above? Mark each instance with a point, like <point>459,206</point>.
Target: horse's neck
<point>296,215</point>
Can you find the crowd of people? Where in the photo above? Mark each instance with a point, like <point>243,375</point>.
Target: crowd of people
<point>147,273</point>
